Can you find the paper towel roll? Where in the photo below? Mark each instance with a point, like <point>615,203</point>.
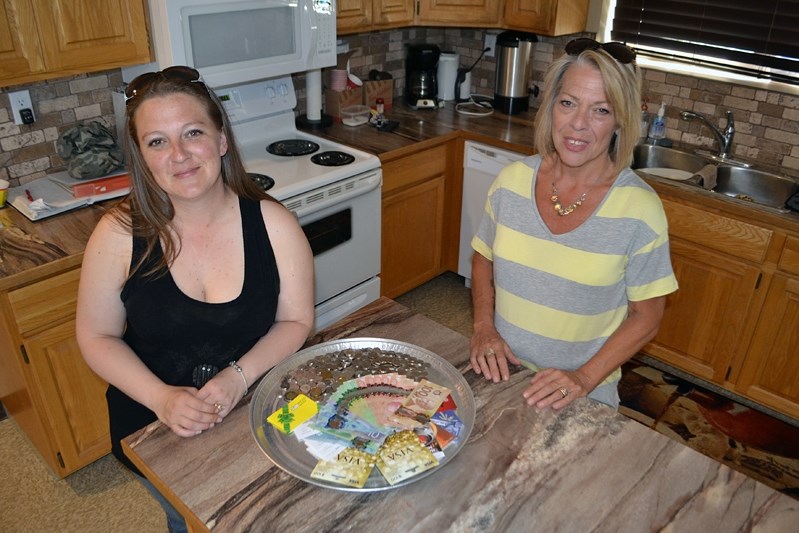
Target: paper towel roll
<point>447,73</point>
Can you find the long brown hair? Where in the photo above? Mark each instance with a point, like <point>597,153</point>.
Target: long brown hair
<point>148,211</point>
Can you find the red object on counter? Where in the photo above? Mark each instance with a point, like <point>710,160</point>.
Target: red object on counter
<point>101,186</point>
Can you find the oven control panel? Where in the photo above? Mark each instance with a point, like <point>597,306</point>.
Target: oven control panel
<point>259,99</point>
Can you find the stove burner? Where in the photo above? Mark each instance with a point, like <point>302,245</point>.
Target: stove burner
<point>263,181</point>
<point>292,147</point>
<point>332,158</point>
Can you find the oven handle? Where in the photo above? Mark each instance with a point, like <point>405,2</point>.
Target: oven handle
<point>311,202</point>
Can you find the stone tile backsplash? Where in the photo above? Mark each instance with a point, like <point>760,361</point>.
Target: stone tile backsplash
<point>767,122</point>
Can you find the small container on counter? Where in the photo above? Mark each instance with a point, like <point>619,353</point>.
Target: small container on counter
<point>355,115</point>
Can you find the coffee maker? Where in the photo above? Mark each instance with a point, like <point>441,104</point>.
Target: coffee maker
<point>421,84</point>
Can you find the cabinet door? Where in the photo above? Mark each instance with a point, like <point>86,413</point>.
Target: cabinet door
<point>546,17</point>
<point>458,12</point>
<point>770,374</point>
<point>412,232</point>
<point>20,54</point>
<point>392,13</point>
<point>73,398</point>
<point>703,324</point>
<point>76,34</point>
<point>353,16</point>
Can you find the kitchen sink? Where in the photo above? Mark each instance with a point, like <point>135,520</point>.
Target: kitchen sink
<point>667,162</point>
<point>755,186</point>
<point>732,180</point>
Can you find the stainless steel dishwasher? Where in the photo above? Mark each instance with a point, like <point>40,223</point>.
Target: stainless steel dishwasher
<point>481,164</point>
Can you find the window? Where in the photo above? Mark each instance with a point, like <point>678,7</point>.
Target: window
<point>758,38</point>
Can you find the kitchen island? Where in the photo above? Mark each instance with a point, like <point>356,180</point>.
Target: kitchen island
<point>585,468</point>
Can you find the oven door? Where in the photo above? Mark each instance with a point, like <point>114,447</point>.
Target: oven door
<point>342,223</point>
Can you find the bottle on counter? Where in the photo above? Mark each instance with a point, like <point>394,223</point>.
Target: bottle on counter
<point>378,117</point>
<point>658,130</point>
<point>644,121</point>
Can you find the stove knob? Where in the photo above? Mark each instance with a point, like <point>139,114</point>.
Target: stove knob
<point>283,89</point>
<point>270,92</point>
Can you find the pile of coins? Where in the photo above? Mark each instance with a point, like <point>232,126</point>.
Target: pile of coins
<point>323,374</point>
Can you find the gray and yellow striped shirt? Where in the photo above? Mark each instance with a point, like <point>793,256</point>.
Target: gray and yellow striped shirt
<point>559,297</point>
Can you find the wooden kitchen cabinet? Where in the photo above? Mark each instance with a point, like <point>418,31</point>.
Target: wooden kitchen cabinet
<point>392,13</point>
<point>702,328</point>
<point>20,54</point>
<point>358,16</point>
<point>734,322</point>
<point>48,389</point>
<point>43,39</point>
<point>353,16</point>
<point>546,17</point>
<point>415,217</point>
<point>478,13</point>
<point>770,373</point>
<point>716,261</point>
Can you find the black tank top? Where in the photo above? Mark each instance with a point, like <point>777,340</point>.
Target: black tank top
<point>173,333</point>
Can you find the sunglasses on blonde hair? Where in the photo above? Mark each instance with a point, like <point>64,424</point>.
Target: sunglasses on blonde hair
<point>141,84</point>
<point>618,51</point>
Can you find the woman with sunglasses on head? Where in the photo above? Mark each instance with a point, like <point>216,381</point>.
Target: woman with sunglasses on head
<point>571,264</point>
<point>199,282</point>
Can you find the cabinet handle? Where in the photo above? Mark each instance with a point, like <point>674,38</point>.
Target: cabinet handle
<point>757,283</point>
<point>24,354</point>
<point>60,459</point>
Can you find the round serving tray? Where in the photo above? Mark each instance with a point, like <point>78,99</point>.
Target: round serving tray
<point>289,454</point>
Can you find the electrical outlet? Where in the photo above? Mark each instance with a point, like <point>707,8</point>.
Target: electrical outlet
<point>490,43</point>
<point>21,107</point>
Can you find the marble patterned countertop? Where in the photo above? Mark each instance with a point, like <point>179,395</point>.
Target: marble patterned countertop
<point>586,468</point>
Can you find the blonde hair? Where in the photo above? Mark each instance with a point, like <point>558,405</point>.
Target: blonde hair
<point>623,89</point>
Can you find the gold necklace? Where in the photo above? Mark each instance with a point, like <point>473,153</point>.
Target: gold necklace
<point>563,211</point>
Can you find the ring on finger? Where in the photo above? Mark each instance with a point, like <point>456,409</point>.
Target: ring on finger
<point>219,407</point>
<point>564,391</point>
<point>488,351</point>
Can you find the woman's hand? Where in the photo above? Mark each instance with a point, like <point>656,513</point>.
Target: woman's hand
<point>181,409</point>
<point>490,354</point>
<point>556,388</point>
<point>224,391</point>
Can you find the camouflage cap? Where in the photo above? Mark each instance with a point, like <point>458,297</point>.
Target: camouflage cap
<point>90,149</point>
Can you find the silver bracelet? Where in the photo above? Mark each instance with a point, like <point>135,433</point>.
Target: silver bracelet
<point>235,365</point>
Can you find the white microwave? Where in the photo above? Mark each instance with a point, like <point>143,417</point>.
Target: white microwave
<point>232,42</point>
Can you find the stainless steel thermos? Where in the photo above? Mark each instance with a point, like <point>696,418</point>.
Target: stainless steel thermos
<point>514,70</point>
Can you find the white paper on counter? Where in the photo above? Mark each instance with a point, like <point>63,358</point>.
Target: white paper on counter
<point>52,196</point>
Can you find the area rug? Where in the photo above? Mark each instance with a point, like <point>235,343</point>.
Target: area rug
<point>754,443</point>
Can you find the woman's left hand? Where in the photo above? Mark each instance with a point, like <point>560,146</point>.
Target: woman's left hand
<point>224,391</point>
<point>555,388</point>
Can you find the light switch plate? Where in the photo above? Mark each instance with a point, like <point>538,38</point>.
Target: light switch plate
<point>20,100</point>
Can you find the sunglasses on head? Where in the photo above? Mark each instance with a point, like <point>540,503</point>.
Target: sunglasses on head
<point>141,83</point>
<point>618,51</point>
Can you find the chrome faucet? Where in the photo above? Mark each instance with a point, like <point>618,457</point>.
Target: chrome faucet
<point>723,138</point>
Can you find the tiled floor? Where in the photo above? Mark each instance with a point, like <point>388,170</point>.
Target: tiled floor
<point>747,440</point>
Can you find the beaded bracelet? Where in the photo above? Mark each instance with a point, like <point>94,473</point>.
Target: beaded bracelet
<point>236,366</point>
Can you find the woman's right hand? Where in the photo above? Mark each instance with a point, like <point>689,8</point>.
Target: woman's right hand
<point>490,354</point>
<point>184,413</point>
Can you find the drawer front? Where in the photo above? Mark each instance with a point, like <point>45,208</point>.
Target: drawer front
<point>415,168</point>
<point>718,232</point>
<point>789,260</point>
<point>46,302</point>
